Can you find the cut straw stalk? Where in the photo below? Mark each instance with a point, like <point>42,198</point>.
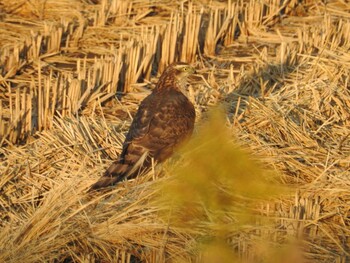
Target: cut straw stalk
<point>191,34</point>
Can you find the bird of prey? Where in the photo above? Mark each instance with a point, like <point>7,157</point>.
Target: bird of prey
<point>164,120</point>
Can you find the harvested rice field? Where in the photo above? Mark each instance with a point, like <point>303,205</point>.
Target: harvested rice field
<point>265,177</point>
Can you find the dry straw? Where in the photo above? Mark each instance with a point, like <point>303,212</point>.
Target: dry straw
<point>72,74</point>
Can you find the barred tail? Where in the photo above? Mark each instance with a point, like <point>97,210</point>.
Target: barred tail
<point>113,175</point>
<point>129,167</point>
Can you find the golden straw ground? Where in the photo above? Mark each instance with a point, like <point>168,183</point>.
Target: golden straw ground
<point>71,76</point>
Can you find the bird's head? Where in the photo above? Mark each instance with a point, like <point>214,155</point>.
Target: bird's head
<point>175,76</point>
<point>182,70</point>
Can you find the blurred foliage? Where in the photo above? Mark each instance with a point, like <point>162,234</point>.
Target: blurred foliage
<point>216,189</point>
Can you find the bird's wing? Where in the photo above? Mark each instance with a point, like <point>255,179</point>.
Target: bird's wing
<point>133,154</point>
<point>168,126</point>
<point>143,118</point>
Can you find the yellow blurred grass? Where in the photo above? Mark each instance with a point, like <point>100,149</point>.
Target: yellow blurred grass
<point>217,190</point>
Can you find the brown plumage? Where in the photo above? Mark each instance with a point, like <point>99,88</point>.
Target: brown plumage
<point>163,121</point>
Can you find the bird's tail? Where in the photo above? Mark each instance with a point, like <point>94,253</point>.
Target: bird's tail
<point>118,171</point>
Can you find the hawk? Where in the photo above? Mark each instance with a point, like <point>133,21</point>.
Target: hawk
<point>163,121</point>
